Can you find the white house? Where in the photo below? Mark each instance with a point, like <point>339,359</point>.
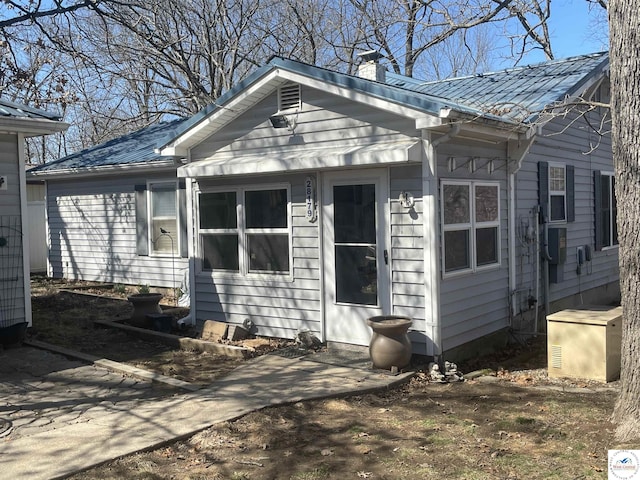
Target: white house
<point>315,200</point>
<point>17,122</point>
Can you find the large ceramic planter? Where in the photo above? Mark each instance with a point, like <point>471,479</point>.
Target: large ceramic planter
<point>144,304</point>
<point>390,345</point>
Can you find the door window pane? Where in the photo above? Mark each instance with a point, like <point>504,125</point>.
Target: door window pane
<point>266,209</point>
<point>456,204</point>
<point>355,213</point>
<point>356,275</point>
<point>218,210</point>
<point>456,250</point>
<point>268,252</point>
<point>220,252</point>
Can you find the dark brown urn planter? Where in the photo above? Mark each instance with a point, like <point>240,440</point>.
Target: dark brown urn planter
<point>144,304</point>
<point>390,345</point>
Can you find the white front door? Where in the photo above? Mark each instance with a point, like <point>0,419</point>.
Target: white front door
<point>355,253</point>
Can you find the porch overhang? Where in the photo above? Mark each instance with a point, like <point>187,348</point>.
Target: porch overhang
<point>224,164</point>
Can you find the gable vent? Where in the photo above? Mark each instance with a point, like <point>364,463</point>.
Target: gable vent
<point>289,97</point>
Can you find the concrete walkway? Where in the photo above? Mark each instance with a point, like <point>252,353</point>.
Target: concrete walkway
<point>67,416</point>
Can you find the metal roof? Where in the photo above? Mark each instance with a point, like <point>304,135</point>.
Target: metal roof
<point>511,96</point>
<point>16,110</point>
<point>138,147</point>
<point>516,94</point>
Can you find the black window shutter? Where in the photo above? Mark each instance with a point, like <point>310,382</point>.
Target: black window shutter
<point>182,219</point>
<point>571,195</point>
<point>142,221</point>
<point>597,198</point>
<point>543,190</point>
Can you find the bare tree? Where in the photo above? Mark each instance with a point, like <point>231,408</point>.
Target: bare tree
<point>624,17</point>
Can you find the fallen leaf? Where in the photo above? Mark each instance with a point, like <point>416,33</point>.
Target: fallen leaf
<point>326,452</point>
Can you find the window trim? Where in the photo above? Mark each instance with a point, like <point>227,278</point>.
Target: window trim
<point>176,236</point>
<point>242,231</point>
<point>472,226</point>
<point>610,175</point>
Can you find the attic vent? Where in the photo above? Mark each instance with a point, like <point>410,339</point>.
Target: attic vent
<point>289,97</point>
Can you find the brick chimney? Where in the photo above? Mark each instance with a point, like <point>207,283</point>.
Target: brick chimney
<point>370,68</point>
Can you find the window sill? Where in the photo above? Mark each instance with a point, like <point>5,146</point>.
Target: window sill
<point>271,277</point>
<point>471,271</point>
<point>163,255</point>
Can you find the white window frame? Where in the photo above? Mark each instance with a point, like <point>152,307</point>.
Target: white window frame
<point>609,178</point>
<point>242,231</point>
<point>472,226</point>
<point>555,193</point>
<point>175,235</point>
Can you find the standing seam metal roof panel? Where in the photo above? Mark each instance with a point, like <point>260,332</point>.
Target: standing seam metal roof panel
<point>527,89</point>
<point>133,148</point>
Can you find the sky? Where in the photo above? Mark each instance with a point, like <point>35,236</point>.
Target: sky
<point>575,29</point>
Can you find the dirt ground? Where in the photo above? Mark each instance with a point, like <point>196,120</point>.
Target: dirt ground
<point>518,425</point>
<point>68,319</point>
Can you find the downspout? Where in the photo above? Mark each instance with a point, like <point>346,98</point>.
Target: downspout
<point>453,131</point>
<point>431,233</point>
<point>520,149</point>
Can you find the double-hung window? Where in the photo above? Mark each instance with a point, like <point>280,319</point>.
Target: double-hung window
<point>245,230</point>
<point>557,193</point>
<point>471,225</point>
<point>163,218</point>
<point>606,228</point>
<point>161,228</point>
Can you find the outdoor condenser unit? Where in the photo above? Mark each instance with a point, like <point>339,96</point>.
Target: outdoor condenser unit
<point>585,343</point>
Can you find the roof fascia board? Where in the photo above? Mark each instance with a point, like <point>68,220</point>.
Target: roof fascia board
<point>106,170</point>
<point>30,126</point>
<point>354,95</point>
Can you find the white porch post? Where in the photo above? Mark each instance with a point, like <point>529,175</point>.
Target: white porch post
<point>431,244</point>
<point>26,263</point>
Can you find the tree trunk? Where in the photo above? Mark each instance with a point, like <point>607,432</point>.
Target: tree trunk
<point>624,16</point>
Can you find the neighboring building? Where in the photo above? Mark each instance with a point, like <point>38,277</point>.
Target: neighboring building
<point>107,208</point>
<point>317,199</point>
<point>17,122</point>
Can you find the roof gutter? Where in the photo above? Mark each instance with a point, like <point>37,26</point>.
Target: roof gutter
<point>64,173</point>
<point>31,127</point>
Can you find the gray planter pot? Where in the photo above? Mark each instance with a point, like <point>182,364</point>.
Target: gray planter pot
<point>390,345</point>
<point>143,305</point>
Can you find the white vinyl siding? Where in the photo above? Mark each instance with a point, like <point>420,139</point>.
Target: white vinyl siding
<point>92,234</point>
<point>566,142</point>
<point>278,304</point>
<point>475,303</point>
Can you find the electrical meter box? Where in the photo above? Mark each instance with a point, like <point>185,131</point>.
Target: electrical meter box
<point>557,245</point>
<point>585,343</point>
